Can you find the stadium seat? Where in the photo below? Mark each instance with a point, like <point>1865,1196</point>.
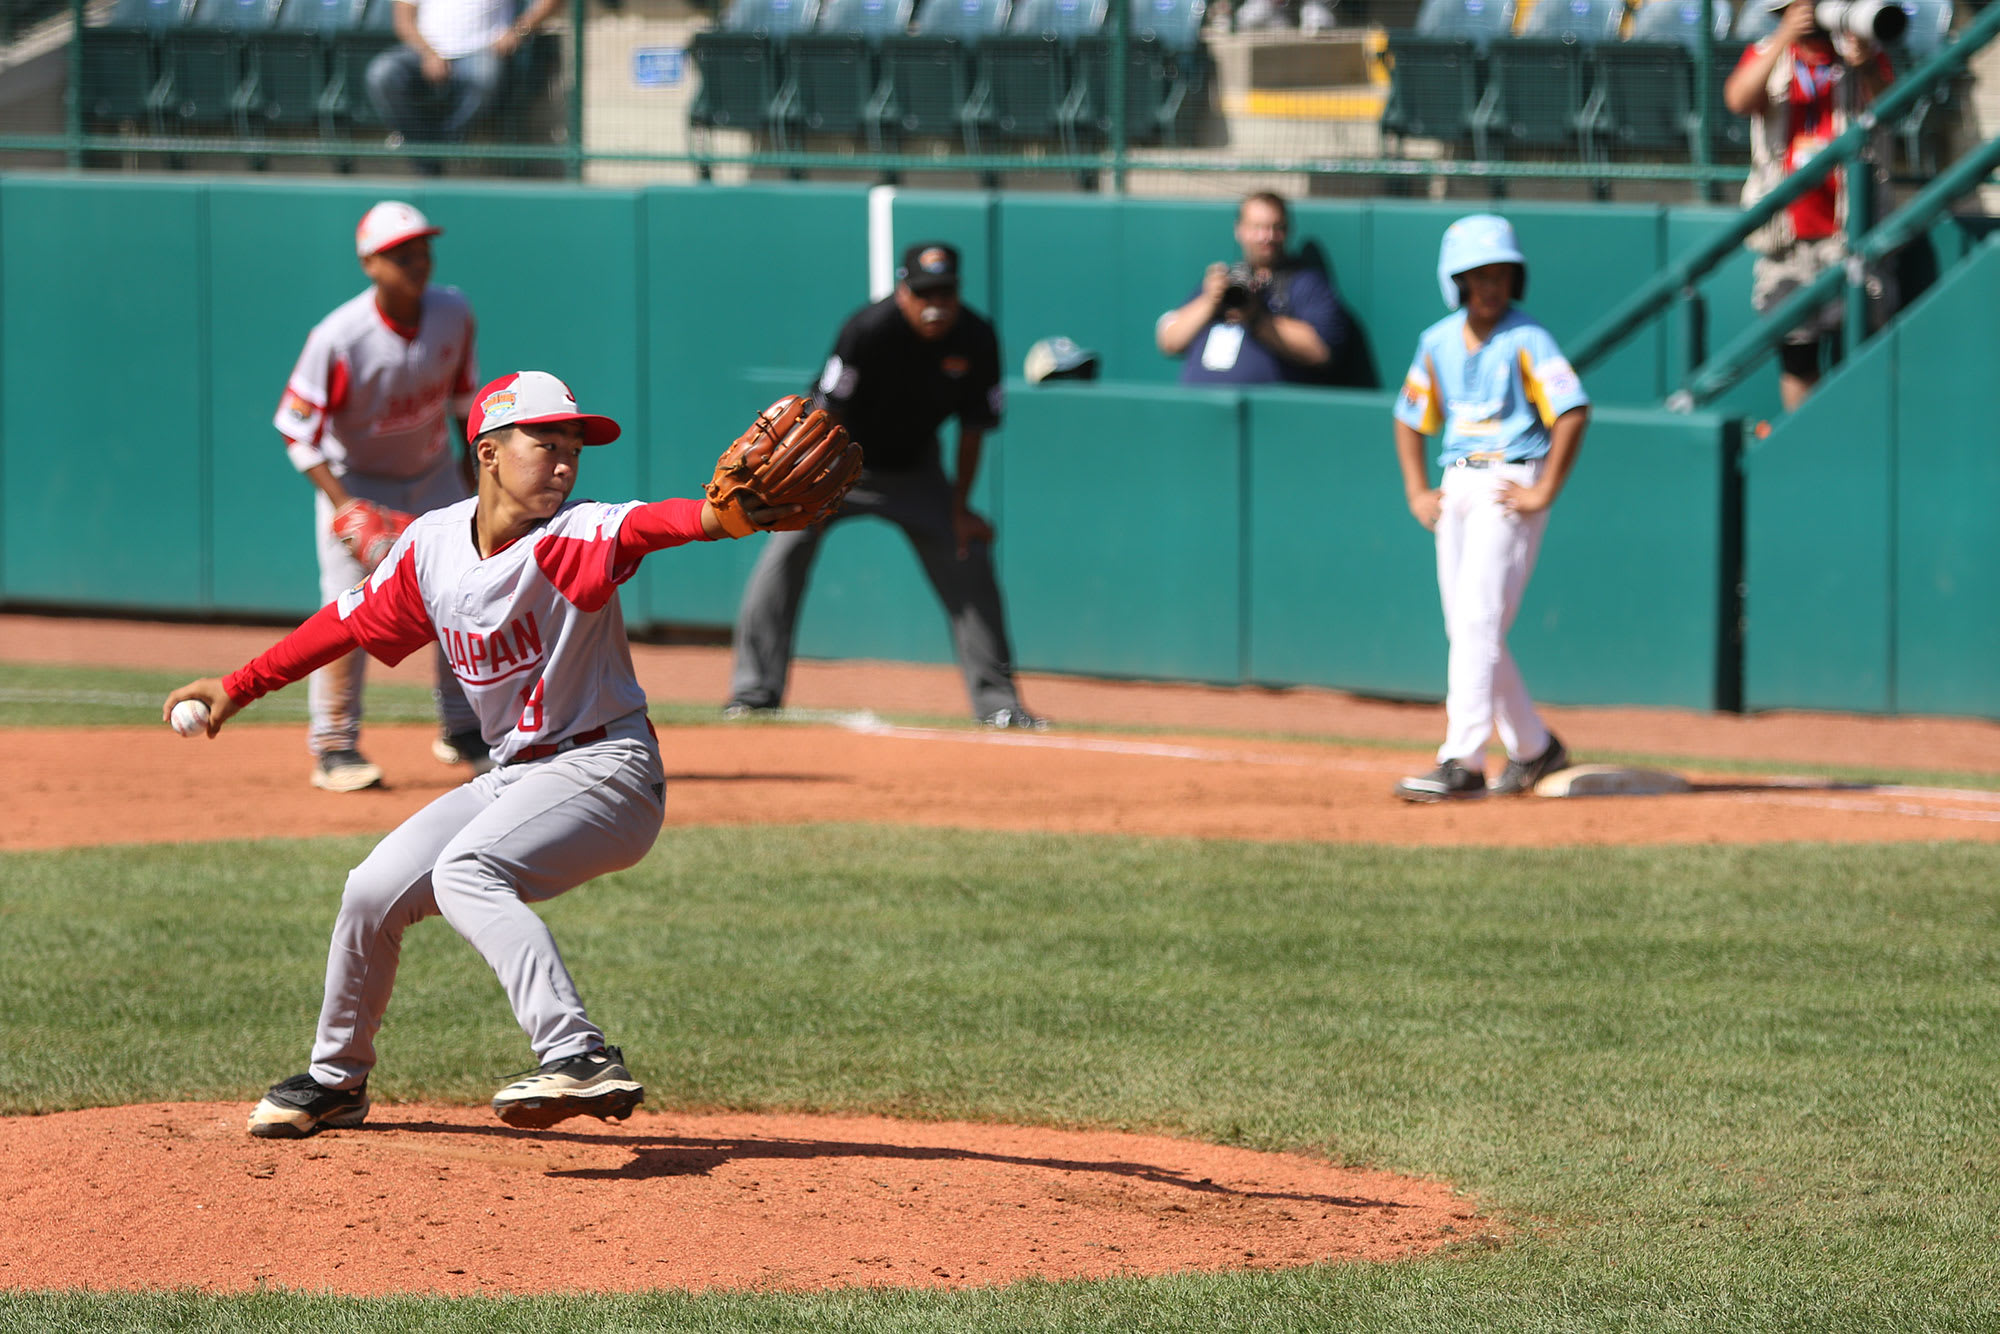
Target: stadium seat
<point>1174,24</point>
<point>1753,23</point>
<point>121,65</point>
<point>1648,95</point>
<point>204,62</point>
<point>838,68</point>
<point>745,84</point>
<point>1476,21</point>
<point>289,62</point>
<point>1586,22</point>
<point>1679,21</point>
<point>1538,96</point>
<point>370,31</point>
<point>1025,79</point>
<point>927,76</point>
<point>1434,88</point>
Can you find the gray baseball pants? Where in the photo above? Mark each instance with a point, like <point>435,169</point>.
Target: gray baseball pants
<point>478,856</point>
<point>333,693</point>
<point>920,504</point>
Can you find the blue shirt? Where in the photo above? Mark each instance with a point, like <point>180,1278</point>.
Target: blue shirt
<point>1494,404</point>
<point>1238,358</point>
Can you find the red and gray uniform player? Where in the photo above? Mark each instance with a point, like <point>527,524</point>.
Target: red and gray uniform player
<point>367,415</point>
<point>519,586</point>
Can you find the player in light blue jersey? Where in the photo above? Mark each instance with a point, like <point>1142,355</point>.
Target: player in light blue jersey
<point>1508,414</point>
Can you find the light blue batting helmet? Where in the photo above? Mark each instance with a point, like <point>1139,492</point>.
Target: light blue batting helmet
<point>1482,238</point>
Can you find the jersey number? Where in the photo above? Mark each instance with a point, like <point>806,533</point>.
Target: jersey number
<point>531,709</point>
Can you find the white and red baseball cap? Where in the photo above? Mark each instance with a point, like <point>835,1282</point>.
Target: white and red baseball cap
<point>390,223</point>
<point>528,398</point>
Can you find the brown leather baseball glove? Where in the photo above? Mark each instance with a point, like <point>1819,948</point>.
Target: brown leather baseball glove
<point>793,454</point>
<point>368,530</point>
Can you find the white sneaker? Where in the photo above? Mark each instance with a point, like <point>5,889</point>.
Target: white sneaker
<point>345,771</point>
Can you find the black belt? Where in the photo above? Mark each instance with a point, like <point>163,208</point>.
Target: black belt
<point>1470,462</point>
<point>595,734</point>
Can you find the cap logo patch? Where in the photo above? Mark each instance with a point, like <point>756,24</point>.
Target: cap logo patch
<point>494,403</point>
<point>934,260</point>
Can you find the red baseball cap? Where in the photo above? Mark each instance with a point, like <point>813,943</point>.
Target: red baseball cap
<point>528,398</point>
<point>390,223</point>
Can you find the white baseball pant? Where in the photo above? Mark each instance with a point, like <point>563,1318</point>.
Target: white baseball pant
<point>333,693</point>
<point>478,856</point>
<point>1485,554</point>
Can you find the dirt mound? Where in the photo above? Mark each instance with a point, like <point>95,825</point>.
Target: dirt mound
<point>446,1200</point>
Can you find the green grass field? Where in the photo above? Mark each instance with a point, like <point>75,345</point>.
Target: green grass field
<point>1709,1089</point>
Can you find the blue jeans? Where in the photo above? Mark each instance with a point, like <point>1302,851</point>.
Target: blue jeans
<point>419,109</point>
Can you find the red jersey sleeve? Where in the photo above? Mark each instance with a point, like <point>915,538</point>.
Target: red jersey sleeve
<point>322,638</point>
<point>587,570</point>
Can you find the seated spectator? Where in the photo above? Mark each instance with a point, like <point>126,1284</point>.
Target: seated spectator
<point>1267,320</point>
<point>450,65</point>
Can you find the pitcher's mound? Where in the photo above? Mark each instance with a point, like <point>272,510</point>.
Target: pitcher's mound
<point>447,1200</point>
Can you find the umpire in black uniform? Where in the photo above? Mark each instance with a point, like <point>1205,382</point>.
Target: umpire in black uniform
<point>900,367</point>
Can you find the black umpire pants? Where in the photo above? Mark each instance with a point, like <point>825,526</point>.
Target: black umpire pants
<point>920,504</point>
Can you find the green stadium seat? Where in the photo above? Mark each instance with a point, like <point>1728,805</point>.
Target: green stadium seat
<point>928,88</point>
<point>1434,88</point>
<point>121,63</point>
<point>1539,97</point>
<point>344,103</point>
<point>1648,95</point>
<point>291,60</point>
<point>837,67</point>
<point>204,64</point>
<point>1586,22</point>
<point>1479,22</point>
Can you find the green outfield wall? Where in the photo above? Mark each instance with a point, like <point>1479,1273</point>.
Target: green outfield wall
<point>1146,530</point>
<point>1872,548</point>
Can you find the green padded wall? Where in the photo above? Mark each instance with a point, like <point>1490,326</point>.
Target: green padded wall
<point>1627,602</point>
<point>105,414</point>
<point>265,299</point>
<point>1123,552</point>
<point>1946,497</point>
<point>1818,547</point>
<point>737,312</point>
<point>1342,581</point>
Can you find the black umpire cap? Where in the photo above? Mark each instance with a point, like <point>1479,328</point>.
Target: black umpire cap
<point>929,266</point>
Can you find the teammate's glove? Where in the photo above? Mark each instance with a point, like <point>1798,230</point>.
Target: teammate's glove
<point>793,454</point>
<point>368,530</point>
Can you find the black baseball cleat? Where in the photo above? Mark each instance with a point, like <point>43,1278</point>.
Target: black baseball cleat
<point>1448,782</point>
<point>1521,776</point>
<point>301,1105</point>
<point>593,1083</point>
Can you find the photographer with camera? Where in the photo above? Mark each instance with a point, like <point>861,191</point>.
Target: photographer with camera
<point>1266,320</point>
<point>1800,87</point>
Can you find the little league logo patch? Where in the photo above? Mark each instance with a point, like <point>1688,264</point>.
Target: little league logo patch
<point>498,404</point>
<point>297,408</point>
<point>934,260</point>
<point>955,366</point>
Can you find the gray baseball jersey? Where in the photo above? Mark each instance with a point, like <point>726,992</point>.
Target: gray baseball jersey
<point>367,396</point>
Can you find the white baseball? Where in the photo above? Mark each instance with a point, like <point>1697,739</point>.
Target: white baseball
<point>190,718</point>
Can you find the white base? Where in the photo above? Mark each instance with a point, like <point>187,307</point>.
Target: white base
<point>1610,780</point>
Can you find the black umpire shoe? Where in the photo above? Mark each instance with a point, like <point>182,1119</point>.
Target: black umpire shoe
<point>1522,775</point>
<point>1447,782</point>
<point>296,1107</point>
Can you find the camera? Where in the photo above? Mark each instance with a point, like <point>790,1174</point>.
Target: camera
<point>1880,21</point>
<point>1239,289</point>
